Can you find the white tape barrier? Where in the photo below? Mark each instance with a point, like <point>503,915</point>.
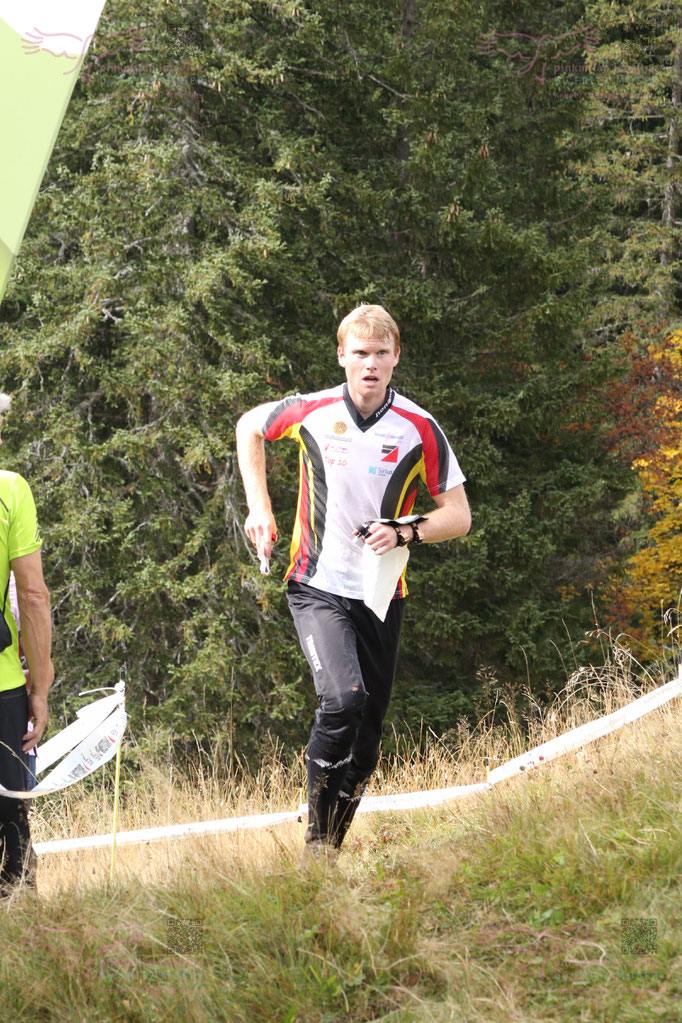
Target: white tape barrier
<point>263,820</point>
<point>89,742</point>
<point>414,800</point>
<point>99,747</point>
<point>565,743</point>
<point>588,733</point>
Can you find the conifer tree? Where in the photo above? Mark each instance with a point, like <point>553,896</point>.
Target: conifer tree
<point>635,86</point>
<point>202,228</point>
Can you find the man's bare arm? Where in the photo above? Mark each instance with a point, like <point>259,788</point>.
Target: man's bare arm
<point>36,637</point>
<point>451,518</point>
<point>260,525</point>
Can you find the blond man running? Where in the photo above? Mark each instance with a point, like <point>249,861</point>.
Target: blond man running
<point>363,448</point>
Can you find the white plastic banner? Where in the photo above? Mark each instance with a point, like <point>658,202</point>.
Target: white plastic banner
<point>42,47</point>
<point>94,751</point>
<point>87,718</point>
<point>89,742</point>
<point>260,820</point>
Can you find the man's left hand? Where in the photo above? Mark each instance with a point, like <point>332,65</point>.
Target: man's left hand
<point>382,538</point>
<point>37,704</point>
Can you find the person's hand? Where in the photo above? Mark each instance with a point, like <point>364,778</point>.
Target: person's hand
<point>261,529</point>
<point>382,538</point>
<point>37,704</point>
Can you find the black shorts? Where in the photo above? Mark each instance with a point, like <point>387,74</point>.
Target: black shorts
<point>346,645</point>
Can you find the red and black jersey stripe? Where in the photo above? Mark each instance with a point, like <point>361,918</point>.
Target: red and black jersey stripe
<point>290,412</point>
<point>434,448</point>
<point>391,506</point>
<point>312,509</point>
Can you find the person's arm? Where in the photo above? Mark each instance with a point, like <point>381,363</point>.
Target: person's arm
<point>451,518</point>
<point>260,525</point>
<point>36,637</point>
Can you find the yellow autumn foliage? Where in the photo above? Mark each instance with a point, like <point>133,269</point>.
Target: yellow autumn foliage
<point>654,575</point>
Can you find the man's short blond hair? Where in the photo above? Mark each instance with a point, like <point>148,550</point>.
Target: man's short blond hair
<point>369,321</point>
<point>5,402</point>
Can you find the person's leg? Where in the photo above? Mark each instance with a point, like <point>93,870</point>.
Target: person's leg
<point>377,644</point>
<point>17,858</point>
<point>328,641</point>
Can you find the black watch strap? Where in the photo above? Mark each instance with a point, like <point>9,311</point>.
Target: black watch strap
<point>416,538</point>
<point>402,540</point>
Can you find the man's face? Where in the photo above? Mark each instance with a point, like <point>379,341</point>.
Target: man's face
<point>369,366</point>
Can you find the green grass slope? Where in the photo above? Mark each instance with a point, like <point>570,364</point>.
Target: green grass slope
<point>555,897</point>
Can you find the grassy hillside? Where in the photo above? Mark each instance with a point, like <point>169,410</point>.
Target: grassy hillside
<point>504,907</point>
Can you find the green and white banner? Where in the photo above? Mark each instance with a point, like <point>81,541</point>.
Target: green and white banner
<point>42,47</point>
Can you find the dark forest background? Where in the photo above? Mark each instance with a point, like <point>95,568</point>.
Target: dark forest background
<point>230,180</point>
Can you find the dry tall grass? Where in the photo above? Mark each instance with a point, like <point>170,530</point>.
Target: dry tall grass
<point>157,794</point>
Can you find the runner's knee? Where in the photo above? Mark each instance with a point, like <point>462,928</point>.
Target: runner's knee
<point>347,705</point>
<point>338,720</point>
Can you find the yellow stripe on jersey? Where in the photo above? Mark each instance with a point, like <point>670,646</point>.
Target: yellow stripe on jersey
<point>416,470</point>
<point>296,535</point>
<point>306,466</point>
<point>294,432</point>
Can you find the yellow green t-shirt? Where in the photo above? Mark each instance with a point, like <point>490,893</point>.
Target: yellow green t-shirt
<point>19,535</point>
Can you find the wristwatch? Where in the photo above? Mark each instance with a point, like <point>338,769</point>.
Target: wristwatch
<point>401,540</point>
<point>416,535</point>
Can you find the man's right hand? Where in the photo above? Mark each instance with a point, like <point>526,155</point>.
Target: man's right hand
<point>261,529</point>
<point>260,525</point>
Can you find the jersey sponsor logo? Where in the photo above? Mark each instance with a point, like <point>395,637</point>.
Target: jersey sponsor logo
<point>396,436</point>
<point>390,452</point>
<point>310,643</point>
<point>376,470</point>
<point>334,445</point>
<point>339,427</point>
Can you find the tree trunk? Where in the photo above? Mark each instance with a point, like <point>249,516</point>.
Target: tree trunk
<point>402,146</point>
<point>670,197</point>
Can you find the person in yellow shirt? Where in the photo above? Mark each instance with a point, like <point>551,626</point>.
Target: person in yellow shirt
<point>20,544</point>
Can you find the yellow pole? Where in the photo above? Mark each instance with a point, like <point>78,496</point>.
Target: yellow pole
<point>300,815</point>
<point>115,821</point>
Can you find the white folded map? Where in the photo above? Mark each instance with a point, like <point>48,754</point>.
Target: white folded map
<point>381,572</point>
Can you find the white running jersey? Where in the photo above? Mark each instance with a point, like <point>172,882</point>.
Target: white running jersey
<point>353,469</point>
